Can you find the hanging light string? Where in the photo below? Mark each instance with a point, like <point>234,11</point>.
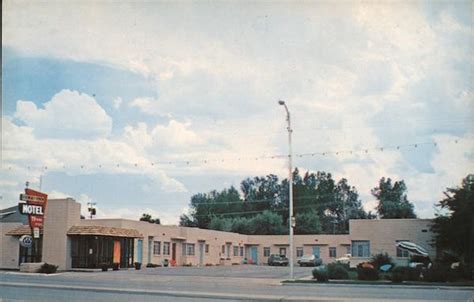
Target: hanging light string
<point>200,162</point>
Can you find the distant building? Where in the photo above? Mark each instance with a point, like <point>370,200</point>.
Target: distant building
<point>71,242</point>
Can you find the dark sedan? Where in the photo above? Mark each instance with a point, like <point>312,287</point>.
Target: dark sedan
<point>277,260</point>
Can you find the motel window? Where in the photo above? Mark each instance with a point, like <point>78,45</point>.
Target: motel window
<point>283,251</point>
<point>348,249</point>
<point>223,250</point>
<point>361,248</point>
<point>241,251</point>
<point>183,249</point>
<point>266,252</point>
<point>190,249</point>
<point>207,248</point>
<point>299,252</point>
<point>166,248</point>
<point>402,253</point>
<point>332,252</point>
<point>156,247</point>
<point>236,250</point>
<point>227,250</point>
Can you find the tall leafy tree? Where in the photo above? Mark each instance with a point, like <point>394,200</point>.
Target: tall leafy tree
<point>393,201</point>
<point>147,217</point>
<point>320,205</point>
<point>308,223</point>
<point>267,223</point>
<point>455,229</point>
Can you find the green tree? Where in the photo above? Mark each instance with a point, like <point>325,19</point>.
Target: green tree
<point>308,223</point>
<point>454,230</point>
<point>393,201</point>
<point>345,205</point>
<point>221,224</point>
<point>267,223</point>
<point>147,217</point>
<point>330,205</point>
<point>204,206</point>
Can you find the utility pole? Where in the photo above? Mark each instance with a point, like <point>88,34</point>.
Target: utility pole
<point>291,219</point>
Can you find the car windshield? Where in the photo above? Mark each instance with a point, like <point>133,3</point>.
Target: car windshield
<point>307,257</point>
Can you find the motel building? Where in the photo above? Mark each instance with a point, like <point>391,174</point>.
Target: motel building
<point>70,242</point>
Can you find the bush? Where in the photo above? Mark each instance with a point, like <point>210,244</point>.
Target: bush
<point>398,274</point>
<point>436,273</point>
<point>137,265</point>
<point>48,268</point>
<point>405,273</point>
<point>459,273</point>
<point>321,275</point>
<point>367,273</point>
<point>104,266</point>
<point>337,271</point>
<point>381,259</point>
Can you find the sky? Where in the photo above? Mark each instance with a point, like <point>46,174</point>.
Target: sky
<point>138,105</point>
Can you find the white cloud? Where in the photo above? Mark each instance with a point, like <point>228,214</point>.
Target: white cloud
<point>69,114</point>
<point>117,102</point>
<point>166,218</point>
<point>175,135</point>
<point>57,195</point>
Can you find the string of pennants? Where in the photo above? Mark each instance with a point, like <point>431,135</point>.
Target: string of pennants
<point>184,163</point>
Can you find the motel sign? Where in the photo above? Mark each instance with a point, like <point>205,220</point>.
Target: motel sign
<point>33,204</point>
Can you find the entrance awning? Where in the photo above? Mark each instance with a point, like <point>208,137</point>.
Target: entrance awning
<point>94,230</point>
<point>412,248</point>
<point>21,230</point>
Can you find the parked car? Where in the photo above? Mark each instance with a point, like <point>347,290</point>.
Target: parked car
<point>346,259</point>
<point>276,259</point>
<point>310,260</point>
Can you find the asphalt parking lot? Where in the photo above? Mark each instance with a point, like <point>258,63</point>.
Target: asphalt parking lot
<point>234,271</point>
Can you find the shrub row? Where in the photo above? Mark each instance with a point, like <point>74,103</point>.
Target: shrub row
<point>48,268</point>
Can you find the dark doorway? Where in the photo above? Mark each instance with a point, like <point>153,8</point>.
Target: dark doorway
<point>94,251</point>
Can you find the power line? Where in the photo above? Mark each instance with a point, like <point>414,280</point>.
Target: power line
<point>197,162</point>
<point>253,212</point>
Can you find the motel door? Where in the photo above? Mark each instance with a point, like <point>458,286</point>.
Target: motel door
<point>150,248</point>
<point>173,252</point>
<point>254,254</point>
<point>316,251</point>
<point>116,257</point>
<point>139,250</point>
<point>201,254</point>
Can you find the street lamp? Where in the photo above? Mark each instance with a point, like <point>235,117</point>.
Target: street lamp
<point>290,182</point>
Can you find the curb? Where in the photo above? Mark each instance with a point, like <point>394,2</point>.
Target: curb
<point>371,284</point>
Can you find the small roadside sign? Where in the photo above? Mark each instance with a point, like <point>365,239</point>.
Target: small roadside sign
<point>26,241</point>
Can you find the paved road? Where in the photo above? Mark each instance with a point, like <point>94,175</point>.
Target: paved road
<point>204,284</point>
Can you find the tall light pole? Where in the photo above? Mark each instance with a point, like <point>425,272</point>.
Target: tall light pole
<point>290,183</point>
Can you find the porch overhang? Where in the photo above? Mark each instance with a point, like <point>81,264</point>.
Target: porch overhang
<point>21,230</point>
<point>93,230</point>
